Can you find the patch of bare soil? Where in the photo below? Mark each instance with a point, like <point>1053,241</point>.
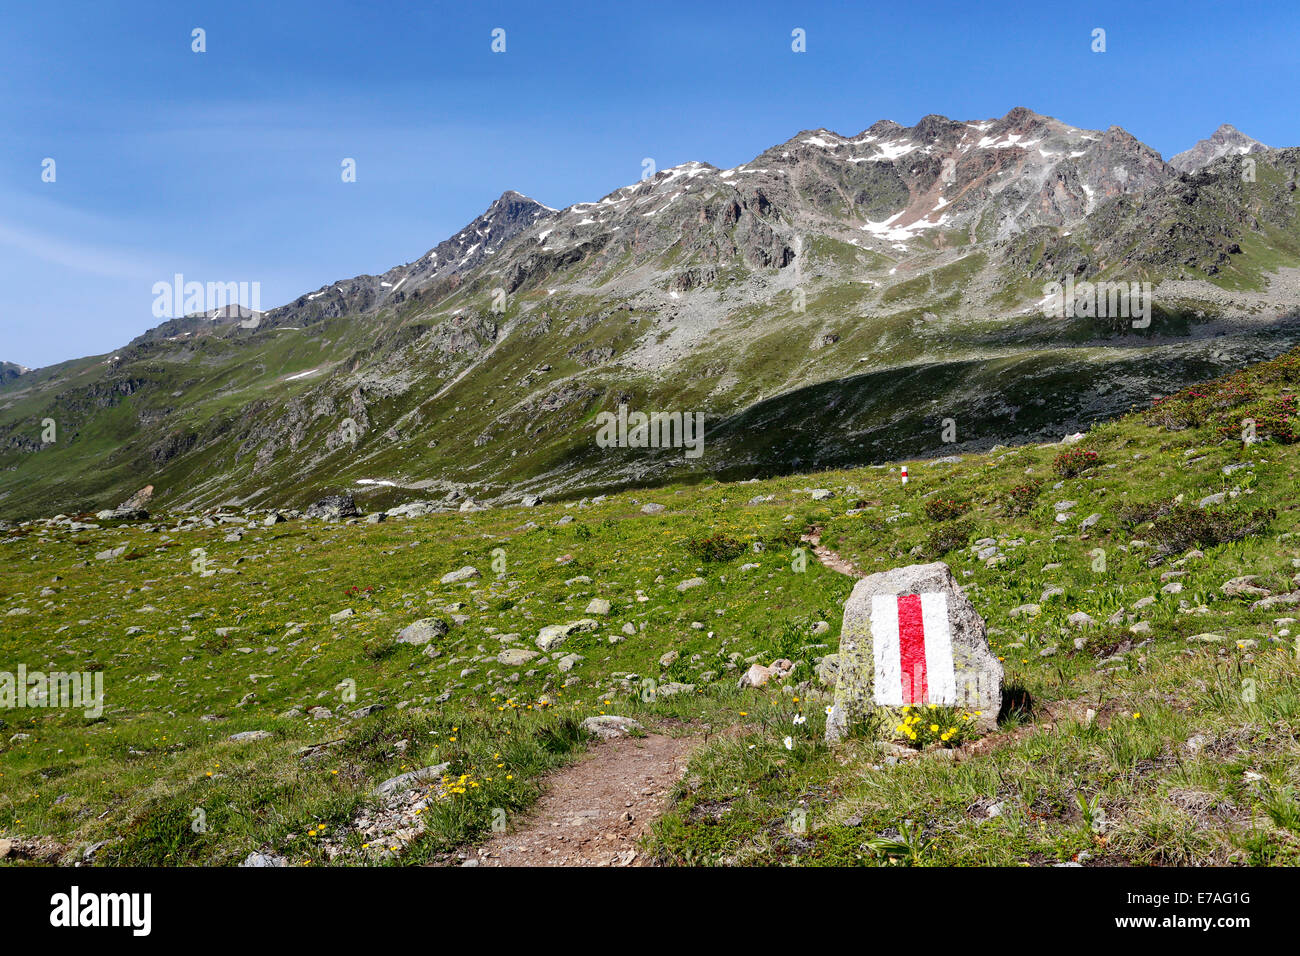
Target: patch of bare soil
<point>35,849</point>
<point>828,557</point>
<point>594,812</point>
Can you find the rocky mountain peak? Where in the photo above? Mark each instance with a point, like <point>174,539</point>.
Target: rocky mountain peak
<point>1227,140</point>
<point>832,268</point>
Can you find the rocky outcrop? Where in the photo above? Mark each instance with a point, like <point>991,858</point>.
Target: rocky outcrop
<point>1227,140</point>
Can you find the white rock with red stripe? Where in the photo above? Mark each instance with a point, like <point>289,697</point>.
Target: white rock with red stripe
<point>911,636</point>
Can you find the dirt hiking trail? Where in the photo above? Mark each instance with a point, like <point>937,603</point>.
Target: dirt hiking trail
<point>595,811</point>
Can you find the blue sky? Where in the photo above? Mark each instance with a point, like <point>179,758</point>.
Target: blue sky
<point>225,165</point>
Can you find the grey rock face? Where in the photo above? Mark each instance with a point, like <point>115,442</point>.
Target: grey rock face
<point>608,726</point>
<point>414,778</point>
<point>568,662</point>
<point>977,673</point>
<point>333,507</point>
<point>264,859</point>
<point>463,574</point>
<point>1291,599</point>
<point>516,656</point>
<point>553,635</point>
<point>123,514</point>
<point>412,509</point>
<point>423,631</point>
<point>828,670</point>
<point>1243,586</point>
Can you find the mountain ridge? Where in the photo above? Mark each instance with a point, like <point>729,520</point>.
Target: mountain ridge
<point>1224,141</point>
<point>521,211</point>
<point>475,367</point>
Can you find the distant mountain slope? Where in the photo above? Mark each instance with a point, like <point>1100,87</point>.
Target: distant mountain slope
<point>857,289</point>
<point>1227,140</point>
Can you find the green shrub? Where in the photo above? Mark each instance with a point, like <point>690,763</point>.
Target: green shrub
<point>1131,514</point>
<point>1273,418</point>
<point>1185,527</point>
<point>949,537</point>
<point>1075,461</point>
<point>1022,498</point>
<point>716,547</point>
<point>379,649</point>
<point>945,509</point>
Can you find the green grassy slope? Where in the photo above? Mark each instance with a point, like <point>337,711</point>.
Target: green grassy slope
<point>1188,755</point>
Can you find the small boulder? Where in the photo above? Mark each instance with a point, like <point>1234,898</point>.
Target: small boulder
<point>904,621</point>
<point>553,635</point>
<point>466,573</point>
<point>411,780</point>
<point>608,726</point>
<point>333,507</point>
<point>1277,600</point>
<point>1243,586</point>
<point>423,631</point>
<point>758,675</point>
<point>516,656</point>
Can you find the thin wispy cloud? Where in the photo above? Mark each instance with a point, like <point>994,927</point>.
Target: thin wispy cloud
<point>76,255</point>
